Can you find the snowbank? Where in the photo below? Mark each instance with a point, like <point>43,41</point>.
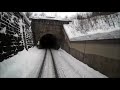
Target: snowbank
<point>99,36</point>
<point>25,64</point>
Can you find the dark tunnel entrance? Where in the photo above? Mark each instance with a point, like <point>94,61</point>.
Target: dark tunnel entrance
<point>49,41</point>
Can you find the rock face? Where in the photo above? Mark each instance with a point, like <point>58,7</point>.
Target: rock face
<point>42,27</point>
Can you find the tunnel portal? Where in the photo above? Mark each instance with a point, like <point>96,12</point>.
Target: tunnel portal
<point>49,41</point>
<point>49,33</point>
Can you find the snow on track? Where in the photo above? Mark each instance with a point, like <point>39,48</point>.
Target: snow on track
<point>69,67</point>
<point>27,64</point>
<point>48,70</point>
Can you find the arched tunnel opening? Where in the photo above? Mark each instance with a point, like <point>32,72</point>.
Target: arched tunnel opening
<point>49,41</point>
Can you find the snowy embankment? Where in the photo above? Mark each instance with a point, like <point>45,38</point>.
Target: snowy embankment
<point>95,28</point>
<point>70,67</point>
<point>98,34</point>
<point>108,35</point>
<point>26,64</point>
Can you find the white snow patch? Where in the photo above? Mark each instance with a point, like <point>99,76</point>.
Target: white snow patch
<point>25,64</point>
<point>16,35</point>
<point>3,31</point>
<point>101,31</point>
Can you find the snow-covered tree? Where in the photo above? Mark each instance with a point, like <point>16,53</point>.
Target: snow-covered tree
<point>29,14</point>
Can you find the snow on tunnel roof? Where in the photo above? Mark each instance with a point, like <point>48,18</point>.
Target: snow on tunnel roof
<point>51,18</point>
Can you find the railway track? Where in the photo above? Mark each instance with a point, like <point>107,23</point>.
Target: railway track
<point>48,67</point>
<point>58,64</point>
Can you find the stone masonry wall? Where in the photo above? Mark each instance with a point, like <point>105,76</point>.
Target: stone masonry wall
<point>11,34</point>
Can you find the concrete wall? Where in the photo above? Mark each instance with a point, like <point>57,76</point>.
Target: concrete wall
<point>102,55</point>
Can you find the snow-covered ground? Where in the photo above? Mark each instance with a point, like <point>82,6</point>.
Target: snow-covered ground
<point>26,64</point>
<point>74,35</point>
<point>98,36</point>
<point>50,18</point>
<point>69,67</point>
